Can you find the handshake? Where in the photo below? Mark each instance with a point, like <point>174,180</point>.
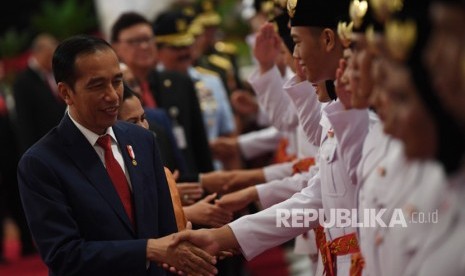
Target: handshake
<point>193,252</point>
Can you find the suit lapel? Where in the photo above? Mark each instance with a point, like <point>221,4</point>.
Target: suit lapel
<point>86,159</point>
<point>124,141</point>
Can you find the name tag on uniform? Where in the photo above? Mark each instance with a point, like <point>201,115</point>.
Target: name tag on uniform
<point>180,136</point>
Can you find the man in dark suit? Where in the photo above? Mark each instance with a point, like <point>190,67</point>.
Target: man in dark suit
<point>93,189</point>
<point>9,195</point>
<point>38,109</point>
<point>133,40</point>
<point>38,106</point>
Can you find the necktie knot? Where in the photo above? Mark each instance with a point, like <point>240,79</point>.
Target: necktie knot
<point>105,142</point>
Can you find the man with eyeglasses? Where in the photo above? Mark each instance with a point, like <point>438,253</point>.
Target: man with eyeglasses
<point>133,40</point>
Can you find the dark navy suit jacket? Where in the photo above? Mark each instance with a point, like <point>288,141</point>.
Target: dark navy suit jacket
<point>74,212</point>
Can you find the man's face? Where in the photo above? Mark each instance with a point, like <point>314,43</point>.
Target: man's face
<point>318,51</point>
<point>95,98</point>
<point>47,54</point>
<point>379,99</point>
<point>361,83</point>
<point>175,58</point>
<point>131,111</point>
<point>131,81</point>
<point>408,118</point>
<point>196,48</point>
<point>445,57</point>
<point>136,47</point>
<point>309,53</point>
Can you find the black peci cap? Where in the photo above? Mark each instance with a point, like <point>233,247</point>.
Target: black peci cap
<point>282,21</point>
<point>318,13</point>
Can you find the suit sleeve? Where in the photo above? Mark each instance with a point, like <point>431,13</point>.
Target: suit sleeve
<point>56,232</point>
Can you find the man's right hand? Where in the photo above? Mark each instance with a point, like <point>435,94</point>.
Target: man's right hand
<point>183,256</point>
<point>224,147</point>
<point>207,214</point>
<point>230,181</point>
<point>238,200</point>
<point>190,192</point>
<point>342,84</point>
<point>267,47</point>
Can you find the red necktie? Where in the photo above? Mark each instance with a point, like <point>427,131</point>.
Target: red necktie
<point>117,176</point>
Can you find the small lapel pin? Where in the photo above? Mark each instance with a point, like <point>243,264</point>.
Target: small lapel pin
<point>132,155</point>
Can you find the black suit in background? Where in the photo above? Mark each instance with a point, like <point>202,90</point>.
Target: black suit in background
<point>7,168</point>
<point>38,110</point>
<point>10,203</point>
<point>171,89</point>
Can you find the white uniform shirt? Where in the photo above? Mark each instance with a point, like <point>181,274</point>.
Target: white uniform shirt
<point>259,232</point>
<point>337,187</point>
<point>272,98</point>
<point>278,106</point>
<point>387,180</point>
<point>443,252</point>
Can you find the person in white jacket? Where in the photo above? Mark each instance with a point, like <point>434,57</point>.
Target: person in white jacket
<point>330,188</point>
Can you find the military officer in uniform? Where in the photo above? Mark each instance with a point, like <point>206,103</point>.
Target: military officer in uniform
<point>218,56</point>
<point>174,42</point>
<point>175,47</point>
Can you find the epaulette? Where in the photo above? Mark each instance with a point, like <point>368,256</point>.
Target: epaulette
<point>226,48</point>
<point>220,62</point>
<point>206,71</point>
